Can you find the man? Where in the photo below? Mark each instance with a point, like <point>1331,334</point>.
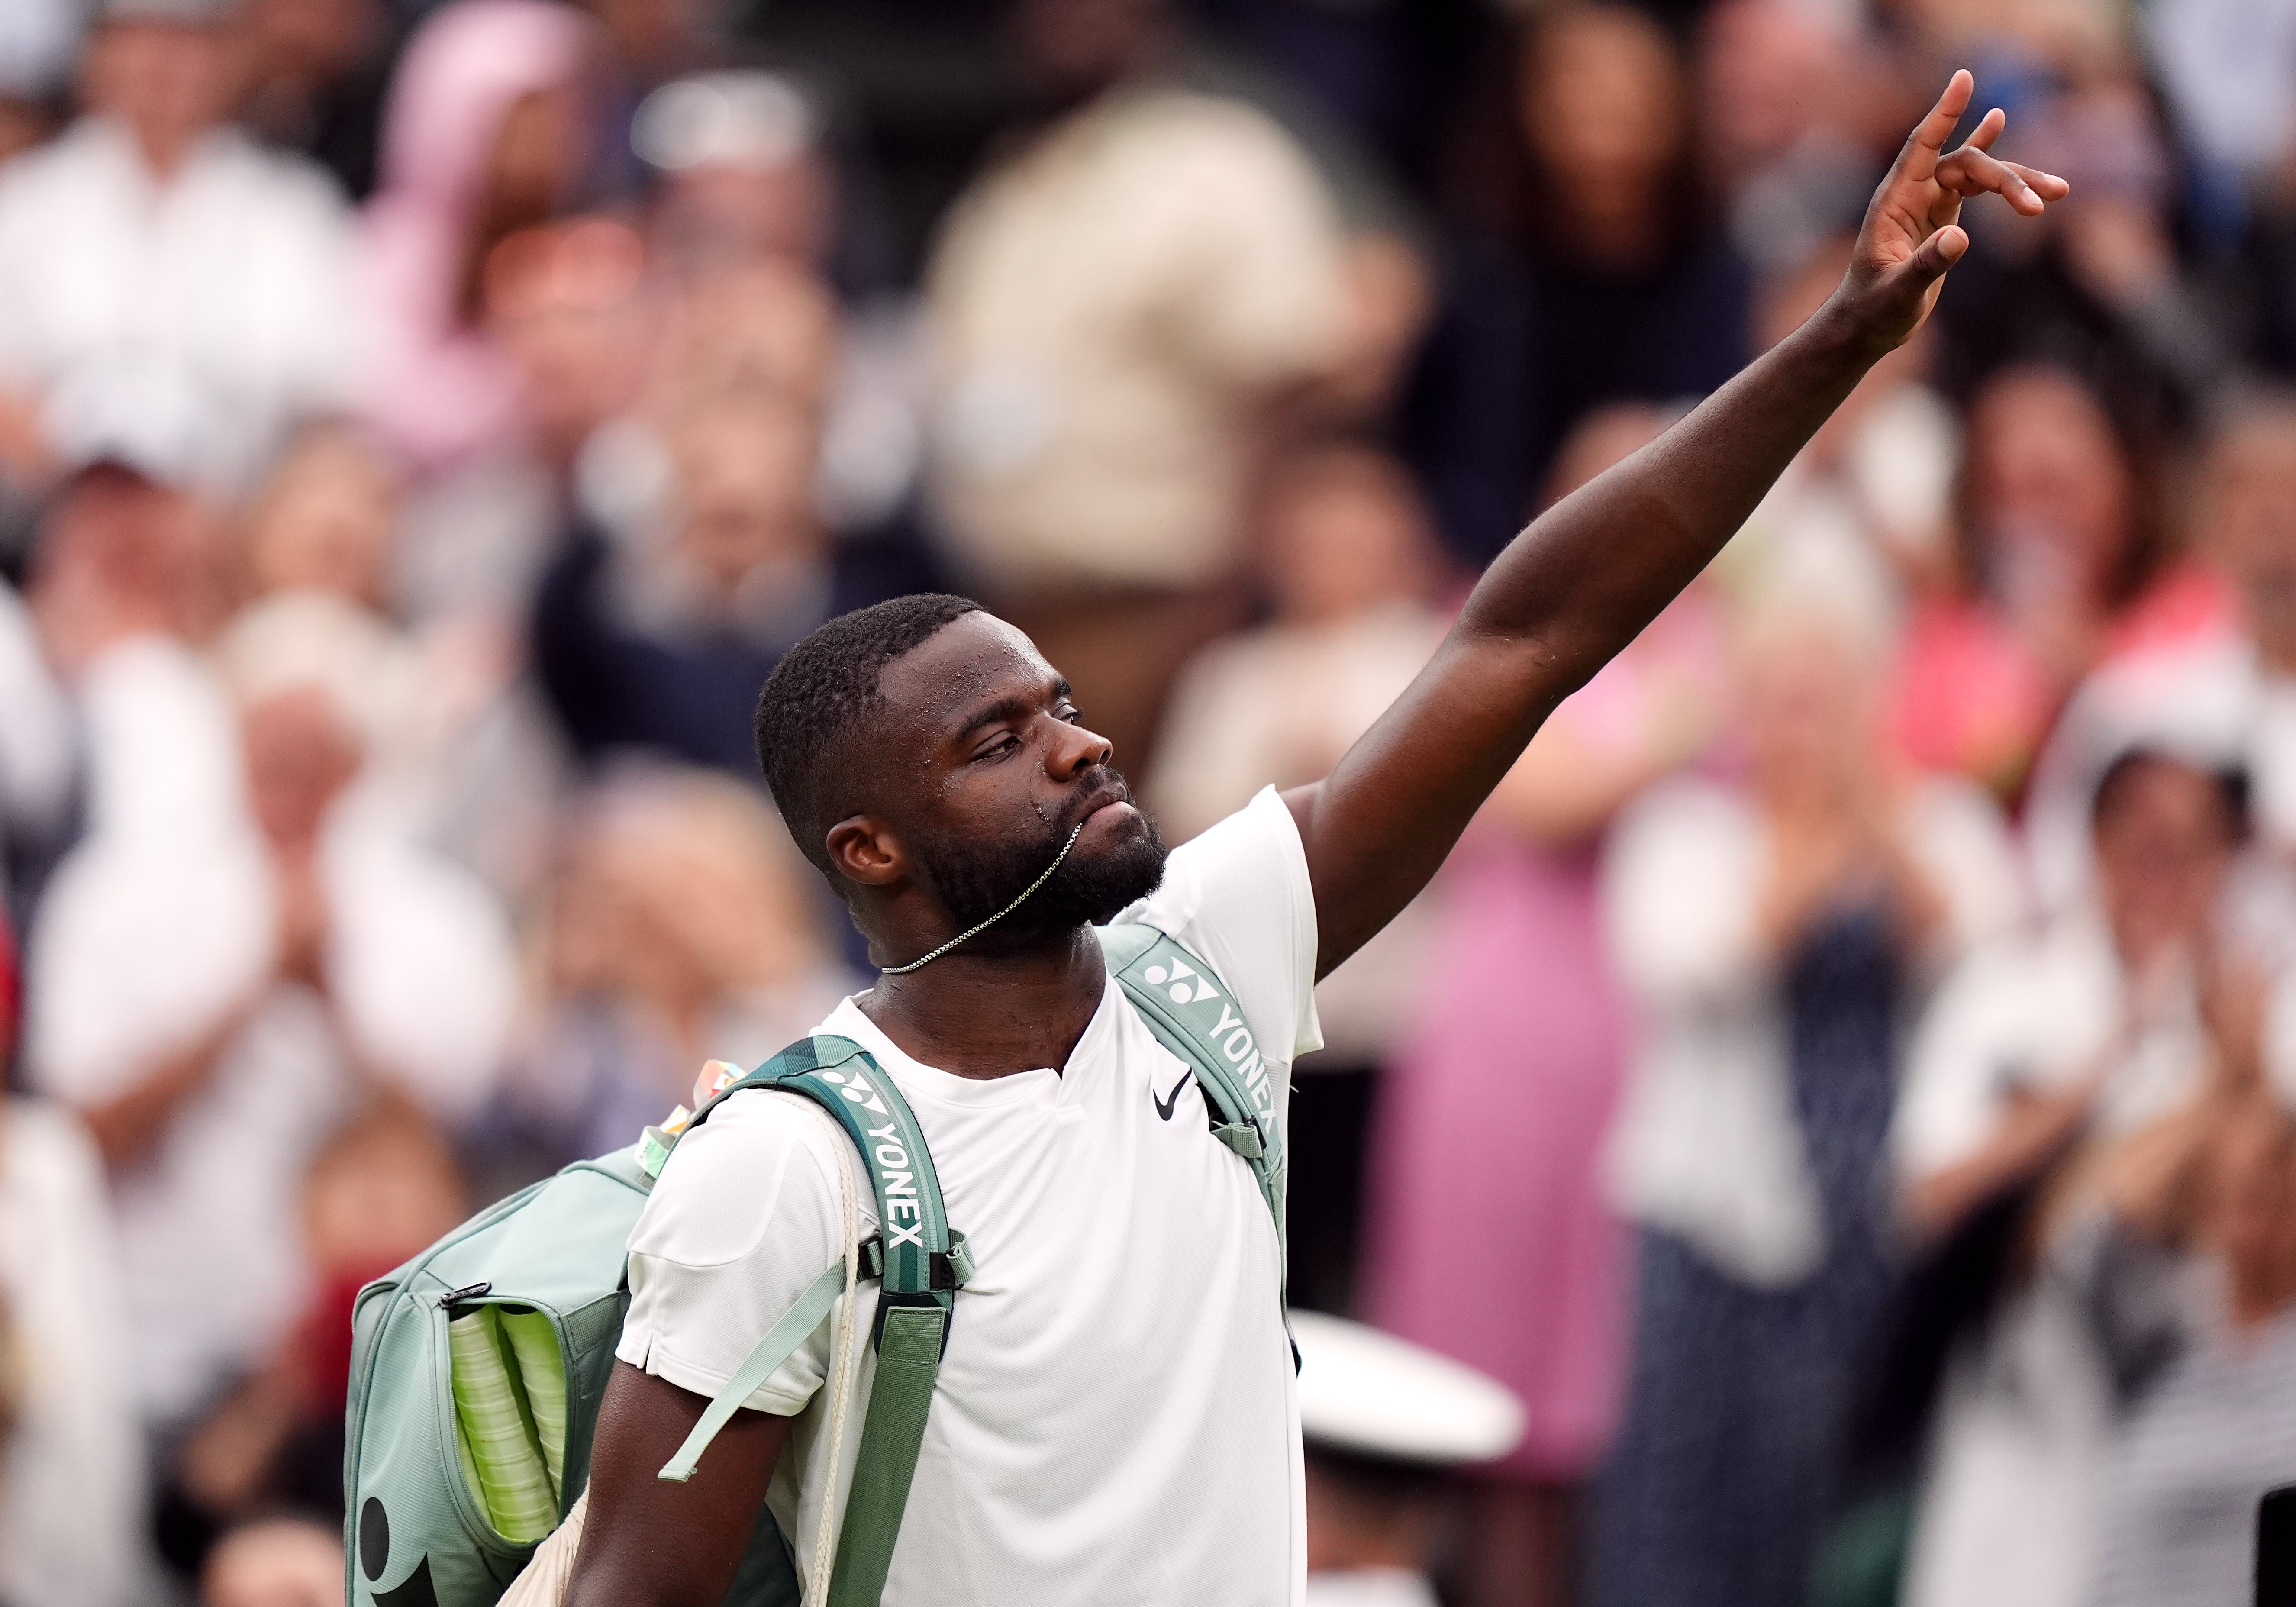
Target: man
<point>153,241</point>
<point>1115,1419</point>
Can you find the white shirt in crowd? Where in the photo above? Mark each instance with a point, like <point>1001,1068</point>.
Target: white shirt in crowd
<point>1107,308</point>
<point>72,1514</point>
<point>138,951</point>
<point>2026,1418</point>
<point>1116,1421</point>
<point>235,276</point>
<point>1708,1146</point>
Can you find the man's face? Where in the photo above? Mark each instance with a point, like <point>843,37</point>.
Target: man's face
<point>167,80</point>
<point>991,769</point>
<point>2162,849</point>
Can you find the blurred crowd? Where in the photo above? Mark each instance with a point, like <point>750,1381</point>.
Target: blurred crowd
<point>1845,1083</point>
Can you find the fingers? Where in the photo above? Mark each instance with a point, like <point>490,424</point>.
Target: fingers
<point>1918,160</point>
<point>1937,253</point>
<point>1987,131</point>
<point>1969,172</point>
<point>2048,186</point>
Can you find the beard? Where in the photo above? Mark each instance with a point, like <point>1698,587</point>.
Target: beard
<point>974,879</point>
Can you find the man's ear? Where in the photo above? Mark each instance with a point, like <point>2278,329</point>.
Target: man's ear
<point>865,852</point>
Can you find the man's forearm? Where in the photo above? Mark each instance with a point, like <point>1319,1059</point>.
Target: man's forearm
<point>1589,573</point>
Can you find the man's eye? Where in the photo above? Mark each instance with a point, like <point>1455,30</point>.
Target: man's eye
<point>1003,745</point>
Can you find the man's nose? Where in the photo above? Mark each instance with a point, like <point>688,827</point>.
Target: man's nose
<point>1075,751</point>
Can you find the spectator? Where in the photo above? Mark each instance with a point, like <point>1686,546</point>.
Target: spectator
<point>1773,935</point>
<point>463,759</point>
<point>655,635</point>
<point>679,930</point>
<point>2033,1051</point>
<point>71,1459</point>
<point>743,178</point>
<point>1586,272</point>
<point>2061,568</point>
<point>1114,308</point>
<point>1347,560</point>
<point>752,201</point>
<point>569,309</point>
<point>127,583</point>
<point>2178,1518</point>
<point>2230,691</point>
<point>215,1007</point>
<point>1385,1425</point>
<point>1788,106</point>
<point>153,243</point>
<point>318,74</point>
<point>1516,1016</point>
<point>483,135</point>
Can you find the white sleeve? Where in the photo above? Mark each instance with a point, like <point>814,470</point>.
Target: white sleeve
<point>744,1217</point>
<point>1239,895</point>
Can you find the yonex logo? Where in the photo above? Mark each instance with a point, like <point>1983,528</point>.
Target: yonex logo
<point>857,1090</point>
<point>1187,986</point>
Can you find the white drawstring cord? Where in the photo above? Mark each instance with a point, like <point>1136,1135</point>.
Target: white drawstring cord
<point>974,931</point>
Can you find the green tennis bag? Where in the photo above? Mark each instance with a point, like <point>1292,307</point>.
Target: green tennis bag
<point>478,1368</point>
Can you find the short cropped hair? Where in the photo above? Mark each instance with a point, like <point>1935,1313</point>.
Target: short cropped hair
<point>821,691</point>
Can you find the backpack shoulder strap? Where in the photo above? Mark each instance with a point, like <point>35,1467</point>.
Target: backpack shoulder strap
<point>1190,1010</point>
<point>923,1263</point>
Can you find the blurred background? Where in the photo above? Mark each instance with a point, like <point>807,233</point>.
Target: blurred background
<point>1845,1084</point>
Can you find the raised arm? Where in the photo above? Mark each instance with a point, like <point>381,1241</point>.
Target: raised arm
<point>1584,578</point>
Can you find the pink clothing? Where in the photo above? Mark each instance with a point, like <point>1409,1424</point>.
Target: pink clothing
<point>445,391</point>
<point>1488,1238</point>
<point>1970,699</point>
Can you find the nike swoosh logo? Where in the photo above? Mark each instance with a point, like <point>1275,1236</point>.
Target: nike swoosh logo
<point>1164,1106</point>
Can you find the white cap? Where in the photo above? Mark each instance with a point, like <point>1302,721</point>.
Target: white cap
<point>748,119</point>
<point>1372,1394</point>
<point>141,411</point>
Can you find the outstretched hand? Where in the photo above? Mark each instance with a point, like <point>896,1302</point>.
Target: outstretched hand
<point>1912,234</point>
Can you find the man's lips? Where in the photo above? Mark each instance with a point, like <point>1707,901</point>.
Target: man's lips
<point>1104,798</point>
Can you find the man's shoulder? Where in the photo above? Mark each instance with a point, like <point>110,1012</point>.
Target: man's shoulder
<point>762,1155</point>
<point>1256,848</point>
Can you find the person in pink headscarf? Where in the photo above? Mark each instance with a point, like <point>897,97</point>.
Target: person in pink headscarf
<point>484,136</point>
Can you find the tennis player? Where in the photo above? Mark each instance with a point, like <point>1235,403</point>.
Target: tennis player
<point>1115,1421</point>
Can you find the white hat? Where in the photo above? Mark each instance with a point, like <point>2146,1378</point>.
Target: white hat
<point>1372,1394</point>
<point>748,119</point>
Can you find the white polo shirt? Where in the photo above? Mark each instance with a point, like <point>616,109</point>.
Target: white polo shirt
<point>1115,1421</point>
